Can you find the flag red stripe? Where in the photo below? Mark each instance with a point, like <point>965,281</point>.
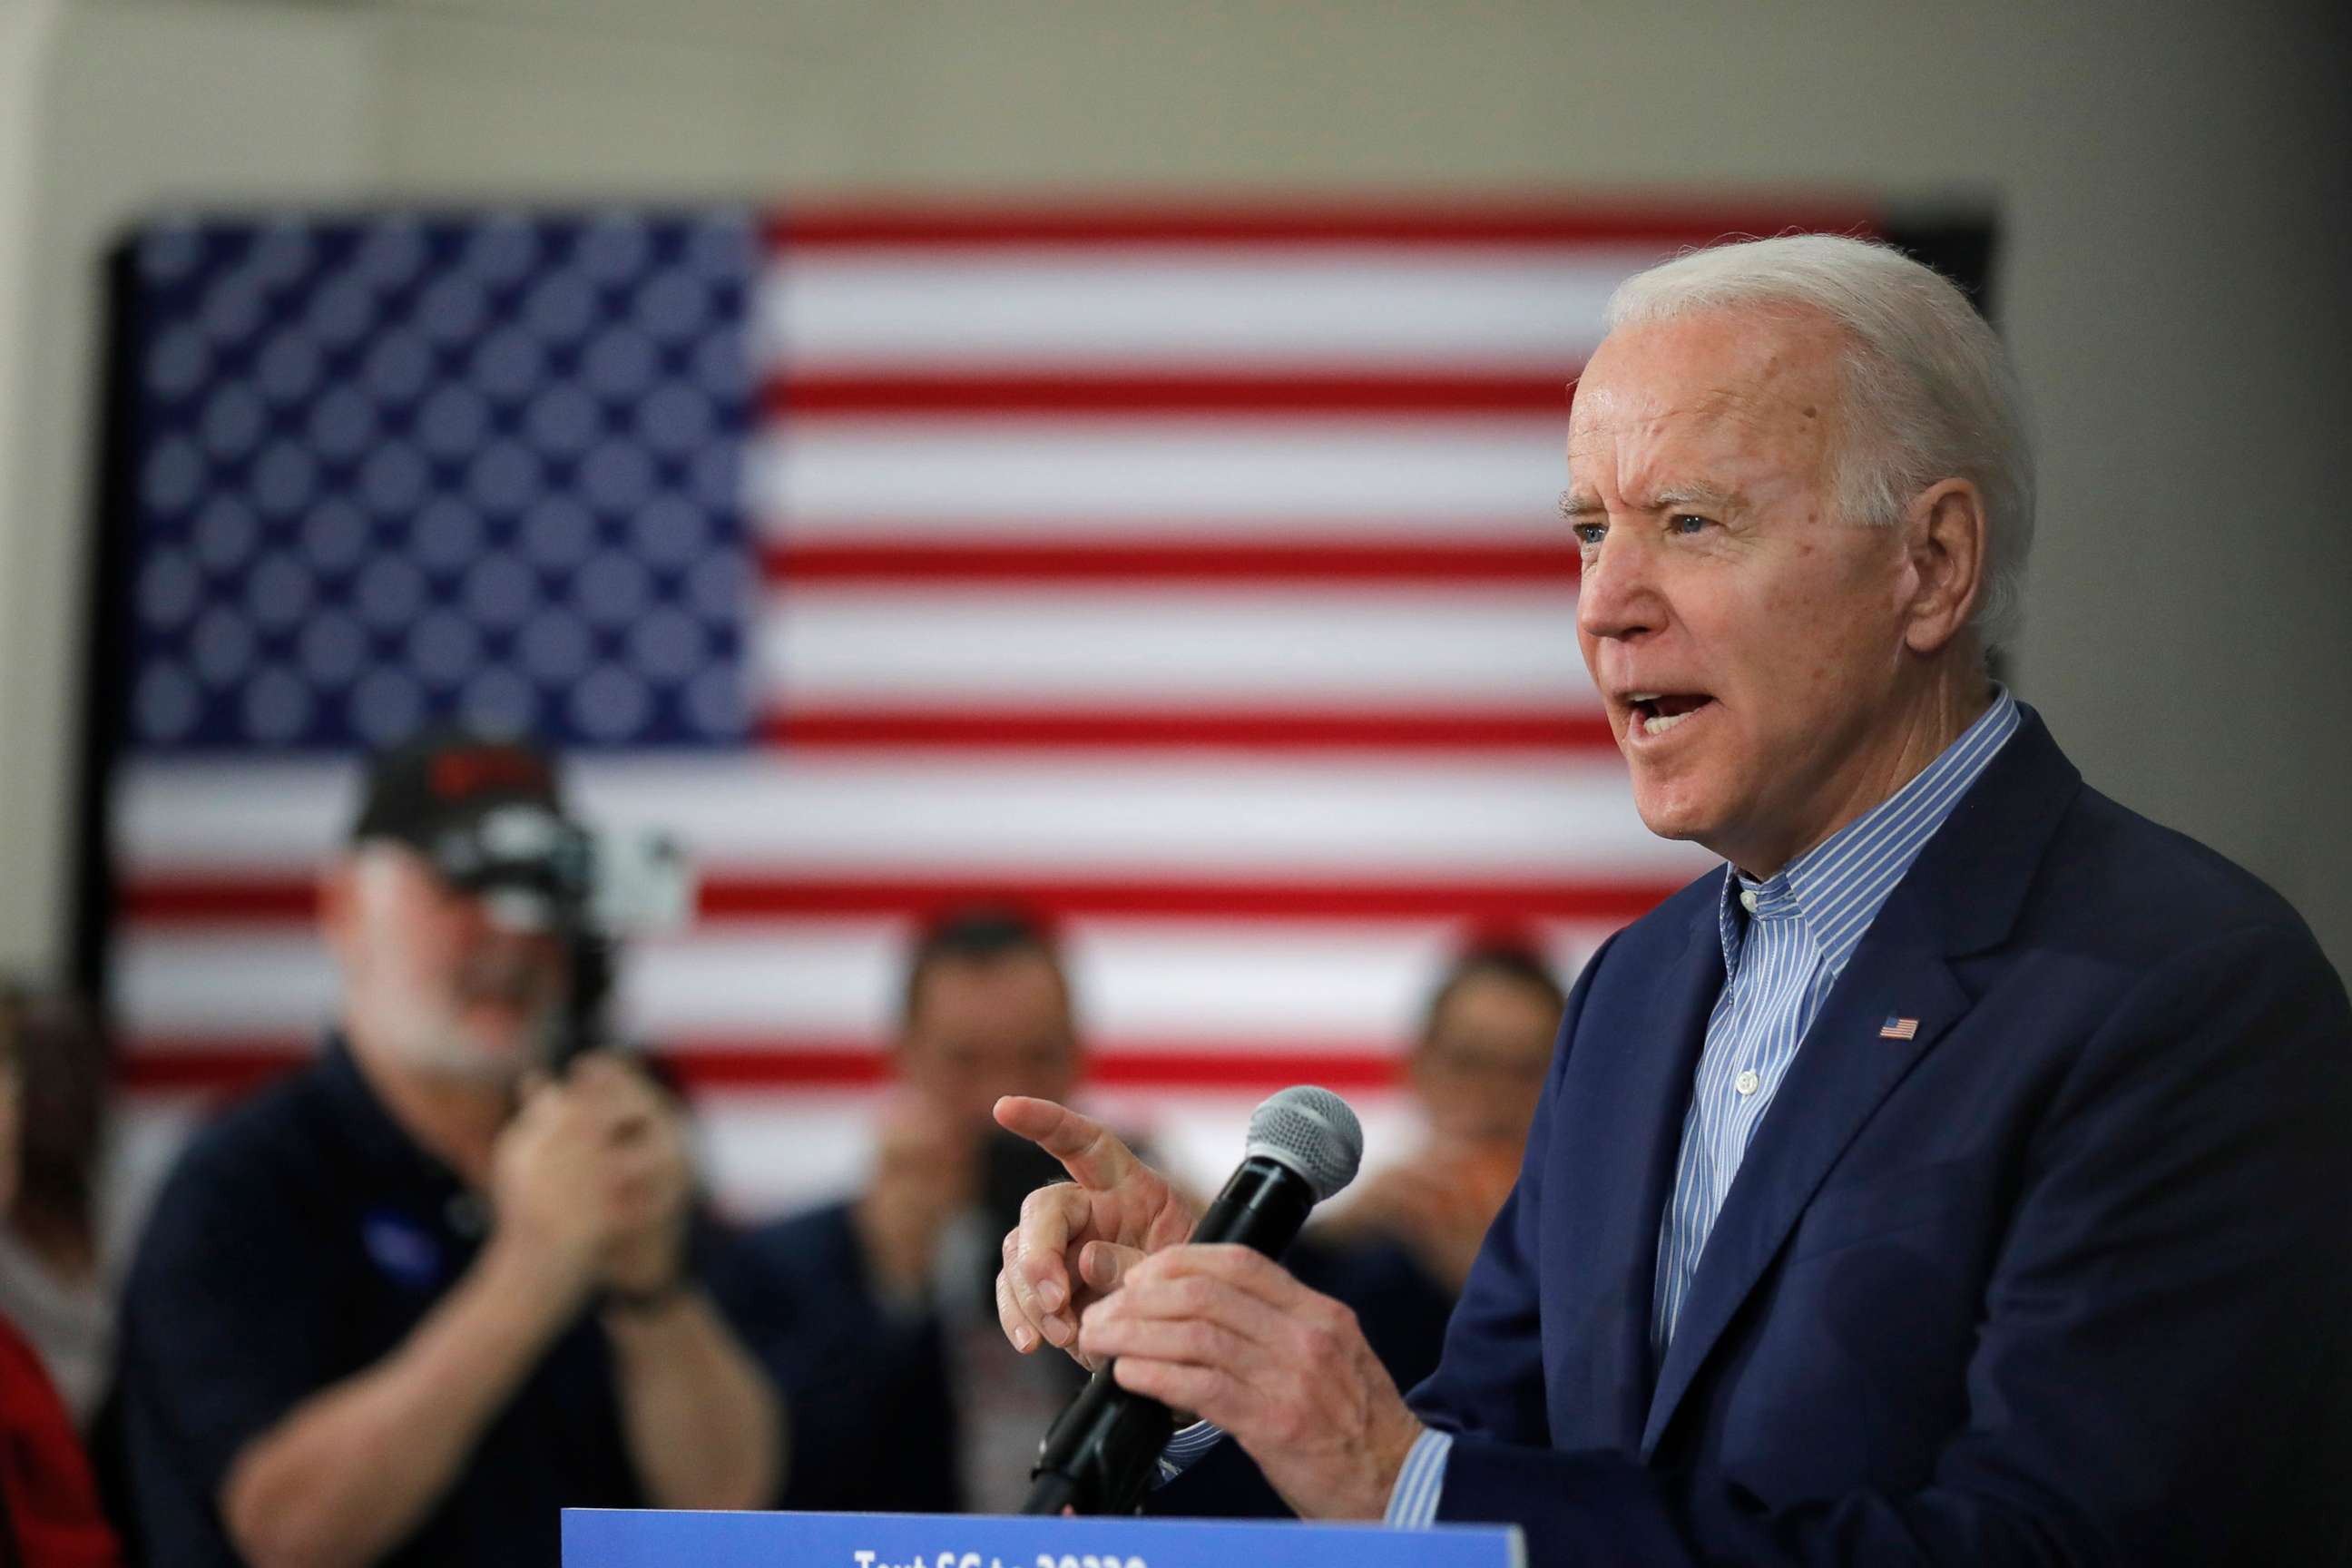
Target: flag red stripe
<point>1667,227</point>
<point>225,899</point>
<point>216,901</point>
<point>1138,729</point>
<point>1167,563</point>
<point>1081,395</point>
<point>137,1067</point>
<point>157,1067</point>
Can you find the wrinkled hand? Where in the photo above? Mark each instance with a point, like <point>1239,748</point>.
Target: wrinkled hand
<point>590,1180</point>
<point>1078,1239</point>
<point>1227,1332</point>
<point>926,1171</point>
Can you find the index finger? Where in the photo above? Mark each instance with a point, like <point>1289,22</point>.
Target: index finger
<point>1090,1151</point>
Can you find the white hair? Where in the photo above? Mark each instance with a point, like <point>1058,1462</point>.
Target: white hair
<point>1928,392</point>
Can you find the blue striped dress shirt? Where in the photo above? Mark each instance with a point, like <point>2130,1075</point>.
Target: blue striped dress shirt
<point>1786,939</point>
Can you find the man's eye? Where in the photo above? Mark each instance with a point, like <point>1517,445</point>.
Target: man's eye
<point>1688,522</point>
<point>1589,534</point>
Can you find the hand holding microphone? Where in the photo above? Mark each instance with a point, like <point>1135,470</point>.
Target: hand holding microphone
<point>1076,1239</point>
<point>1215,1327</point>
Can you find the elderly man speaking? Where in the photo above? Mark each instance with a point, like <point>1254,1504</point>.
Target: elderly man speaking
<point>1957,1176</point>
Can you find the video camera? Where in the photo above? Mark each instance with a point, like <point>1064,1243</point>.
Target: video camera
<point>538,872</point>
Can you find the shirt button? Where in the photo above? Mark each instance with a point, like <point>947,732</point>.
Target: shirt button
<point>1748,1082</point>
<point>1747,900</point>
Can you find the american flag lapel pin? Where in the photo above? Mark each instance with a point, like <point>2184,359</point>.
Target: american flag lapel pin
<point>1898,1028</point>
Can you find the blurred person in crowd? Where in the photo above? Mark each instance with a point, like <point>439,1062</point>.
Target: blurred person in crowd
<point>52,1284</point>
<point>50,1514</point>
<point>406,1305</point>
<point>1400,1250</point>
<point>912,1401</point>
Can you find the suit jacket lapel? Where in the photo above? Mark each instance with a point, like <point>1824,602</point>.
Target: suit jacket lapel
<point>1839,1077</point>
<point>1618,1172</point>
<point>1961,896</point>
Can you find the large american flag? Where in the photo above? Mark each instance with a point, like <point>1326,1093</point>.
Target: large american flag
<point>1190,576</point>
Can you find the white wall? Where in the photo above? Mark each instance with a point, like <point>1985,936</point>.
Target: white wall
<point>129,108</point>
<point>27,40</point>
<point>2173,178</point>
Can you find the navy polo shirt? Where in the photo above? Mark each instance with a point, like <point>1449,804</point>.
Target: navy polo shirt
<point>300,1240</point>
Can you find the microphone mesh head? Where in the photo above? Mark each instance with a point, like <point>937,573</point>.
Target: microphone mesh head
<point>1311,1130</point>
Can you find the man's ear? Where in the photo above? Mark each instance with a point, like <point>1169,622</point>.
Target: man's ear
<point>1945,535</point>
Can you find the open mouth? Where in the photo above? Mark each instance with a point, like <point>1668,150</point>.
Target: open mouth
<point>1656,713</point>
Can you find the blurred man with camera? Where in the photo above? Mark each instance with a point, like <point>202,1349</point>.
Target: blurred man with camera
<point>410,1302</point>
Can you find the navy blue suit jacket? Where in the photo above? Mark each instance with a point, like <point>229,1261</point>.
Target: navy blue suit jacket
<point>2064,1278</point>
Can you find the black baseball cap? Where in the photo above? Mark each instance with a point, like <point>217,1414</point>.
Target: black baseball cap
<point>446,778</point>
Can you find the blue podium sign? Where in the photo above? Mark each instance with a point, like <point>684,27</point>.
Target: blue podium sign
<point>615,1538</point>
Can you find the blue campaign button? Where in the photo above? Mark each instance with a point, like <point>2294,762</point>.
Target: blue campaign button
<point>613,1538</point>
<point>401,1248</point>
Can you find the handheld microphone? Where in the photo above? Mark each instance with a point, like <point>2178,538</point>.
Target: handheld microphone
<point>1305,1145</point>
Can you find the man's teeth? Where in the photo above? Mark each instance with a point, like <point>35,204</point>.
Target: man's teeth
<point>1649,721</point>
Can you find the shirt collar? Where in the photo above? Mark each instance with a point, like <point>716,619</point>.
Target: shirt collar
<point>371,1132</point>
<point>1835,889</point>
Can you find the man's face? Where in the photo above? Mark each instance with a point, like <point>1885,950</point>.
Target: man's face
<point>430,981</point>
<point>985,1028</point>
<point>1481,1067</point>
<point>1748,640</point>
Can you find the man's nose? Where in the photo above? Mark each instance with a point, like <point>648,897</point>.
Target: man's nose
<point>1617,594</point>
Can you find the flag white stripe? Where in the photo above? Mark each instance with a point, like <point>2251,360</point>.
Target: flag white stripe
<point>203,988</point>
<point>1361,480</point>
<point>1250,648</point>
<point>1181,307</point>
<point>1175,983</point>
<point>1187,815</point>
<point>765,1153</point>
